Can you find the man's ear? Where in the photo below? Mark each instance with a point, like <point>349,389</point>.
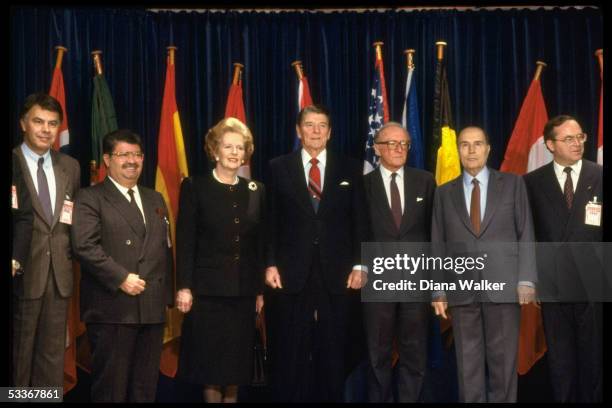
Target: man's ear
<point>106,159</point>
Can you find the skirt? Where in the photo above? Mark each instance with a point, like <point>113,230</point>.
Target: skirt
<point>217,341</point>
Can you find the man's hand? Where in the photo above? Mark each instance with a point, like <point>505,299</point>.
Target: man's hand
<point>133,285</point>
<point>259,303</point>
<point>273,277</point>
<point>526,294</point>
<point>184,300</point>
<point>357,279</point>
<point>440,307</point>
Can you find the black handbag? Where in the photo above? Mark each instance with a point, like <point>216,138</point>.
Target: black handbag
<point>260,353</point>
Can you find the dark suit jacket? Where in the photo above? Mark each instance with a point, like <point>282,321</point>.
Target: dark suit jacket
<point>50,243</point>
<point>23,215</point>
<point>416,220</point>
<point>507,220</point>
<point>295,231</point>
<point>215,255</point>
<point>106,242</point>
<point>569,271</point>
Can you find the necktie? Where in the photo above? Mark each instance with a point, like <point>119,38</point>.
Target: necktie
<point>314,184</point>
<point>475,206</point>
<point>43,191</point>
<point>136,210</point>
<point>396,204</point>
<point>568,188</point>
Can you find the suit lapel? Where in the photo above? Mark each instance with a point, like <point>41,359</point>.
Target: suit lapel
<point>150,216</point>
<point>459,202</point>
<point>114,196</point>
<point>494,190</point>
<point>27,176</point>
<point>330,183</point>
<point>60,187</point>
<point>410,196</point>
<point>583,194</point>
<point>381,202</point>
<point>297,180</point>
<point>550,186</point>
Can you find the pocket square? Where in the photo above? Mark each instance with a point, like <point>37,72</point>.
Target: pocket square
<point>344,183</point>
<point>419,199</point>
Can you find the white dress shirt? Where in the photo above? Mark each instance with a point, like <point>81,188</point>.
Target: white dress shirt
<point>399,180</point>
<point>322,157</point>
<point>32,162</point>
<point>124,191</point>
<point>562,176</point>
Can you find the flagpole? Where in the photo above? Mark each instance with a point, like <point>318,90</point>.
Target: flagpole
<point>60,55</point>
<point>237,73</point>
<point>171,49</point>
<point>97,59</point>
<point>378,47</point>
<point>409,58</point>
<point>599,55</point>
<point>93,164</point>
<point>298,69</point>
<point>440,45</point>
<point>540,66</point>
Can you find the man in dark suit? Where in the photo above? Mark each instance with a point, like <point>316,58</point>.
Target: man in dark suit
<point>41,304</point>
<point>559,193</point>
<point>121,237</point>
<point>317,219</point>
<point>23,217</point>
<point>400,200</point>
<point>486,324</point>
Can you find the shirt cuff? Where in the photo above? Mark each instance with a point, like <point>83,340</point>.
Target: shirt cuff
<point>526,283</point>
<point>362,268</point>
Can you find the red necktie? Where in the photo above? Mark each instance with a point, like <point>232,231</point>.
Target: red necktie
<point>314,182</point>
<point>475,206</point>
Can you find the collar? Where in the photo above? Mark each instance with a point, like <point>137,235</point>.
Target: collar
<point>559,168</point>
<point>482,177</point>
<point>322,157</point>
<point>214,173</point>
<point>29,154</point>
<point>386,174</point>
<point>122,189</point>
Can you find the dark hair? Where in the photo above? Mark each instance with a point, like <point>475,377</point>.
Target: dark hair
<point>316,108</point>
<point>549,127</point>
<point>475,127</point>
<point>45,101</point>
<point>121,135</point>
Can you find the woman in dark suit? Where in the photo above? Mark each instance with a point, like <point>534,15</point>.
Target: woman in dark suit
<point>220,266</point>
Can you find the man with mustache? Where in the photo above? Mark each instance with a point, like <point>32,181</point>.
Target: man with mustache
<point>121,236</point>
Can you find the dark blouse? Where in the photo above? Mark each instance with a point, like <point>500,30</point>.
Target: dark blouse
<point>219,237</point>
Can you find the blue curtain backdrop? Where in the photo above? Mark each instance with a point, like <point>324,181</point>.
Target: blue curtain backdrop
<point>491,57</point>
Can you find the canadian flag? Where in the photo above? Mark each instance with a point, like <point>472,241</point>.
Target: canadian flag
<point>599,55</point>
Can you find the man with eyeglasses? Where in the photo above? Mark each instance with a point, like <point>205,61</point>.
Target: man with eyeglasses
<point>121,237</point>
<point>400,200</point>
<point>560,193</point>
<point>44,278</point>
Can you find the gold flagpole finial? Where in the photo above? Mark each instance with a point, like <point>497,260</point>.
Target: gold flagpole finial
<point>237,71</point>
<point>540,66</point>
<point>378,46</point>
<point>298,69</point>
<point>97,57</point>
<point>171,50</point>
<point>599,55</point>
<point>440,45</point>
<point>410,58</point>
<point>60,55</point>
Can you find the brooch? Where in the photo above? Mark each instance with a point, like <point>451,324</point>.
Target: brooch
<point>252,186</point>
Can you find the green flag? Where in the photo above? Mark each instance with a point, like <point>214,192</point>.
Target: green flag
<point>103,121</point>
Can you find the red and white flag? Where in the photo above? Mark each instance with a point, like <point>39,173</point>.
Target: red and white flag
<point>235,109</point>
<point>600,127</point>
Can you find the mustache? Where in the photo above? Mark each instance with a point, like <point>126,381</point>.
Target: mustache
<point>127,166</point>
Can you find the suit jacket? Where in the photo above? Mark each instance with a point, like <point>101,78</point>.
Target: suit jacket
<point>565,270</point>
<point>507,220</point>
<point>335,231</point>
<point>106,241</point>
<point>50,244</point>
<point>216,255</point>
<point>23,215</point>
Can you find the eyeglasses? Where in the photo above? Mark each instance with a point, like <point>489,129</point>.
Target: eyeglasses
<point>392,144</point>
<point>125,155</point>
<point>569,139</point>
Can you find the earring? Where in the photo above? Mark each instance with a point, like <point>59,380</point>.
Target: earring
<point>242,161</point>
<point>216,158</point>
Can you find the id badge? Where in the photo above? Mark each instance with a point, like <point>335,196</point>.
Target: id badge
<point>66,215</point>
<point>14,203</point>
<point>592,213</point>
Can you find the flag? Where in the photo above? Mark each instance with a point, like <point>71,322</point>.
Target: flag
<point>378,111</point>
<point>410,121</point>
<point>525,152</point>
<point>444,150</point>
<point>74,326</point>
<point>235,108</point>
<point>103,120</point>
<point>304,99</point>
<point>171,169</point>
<point>526,149</point>
<point>57,91</point>
<point>600,127</point>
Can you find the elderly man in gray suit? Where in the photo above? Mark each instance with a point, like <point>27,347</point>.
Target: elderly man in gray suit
<point>121,237</point>
<point>480,207</point>
<point>46,278</point>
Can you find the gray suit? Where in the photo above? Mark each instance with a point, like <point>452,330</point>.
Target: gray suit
<point>39,326</point>
<point>125,331</point>
<point>489,328</point>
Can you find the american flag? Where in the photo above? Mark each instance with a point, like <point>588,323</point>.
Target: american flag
<point>378,113</point>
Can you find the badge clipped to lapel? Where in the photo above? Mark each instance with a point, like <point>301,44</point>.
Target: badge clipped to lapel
<point>14,203</point>
<point>592,213</point>
<point>66,215</point>
<point>163,215</point>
